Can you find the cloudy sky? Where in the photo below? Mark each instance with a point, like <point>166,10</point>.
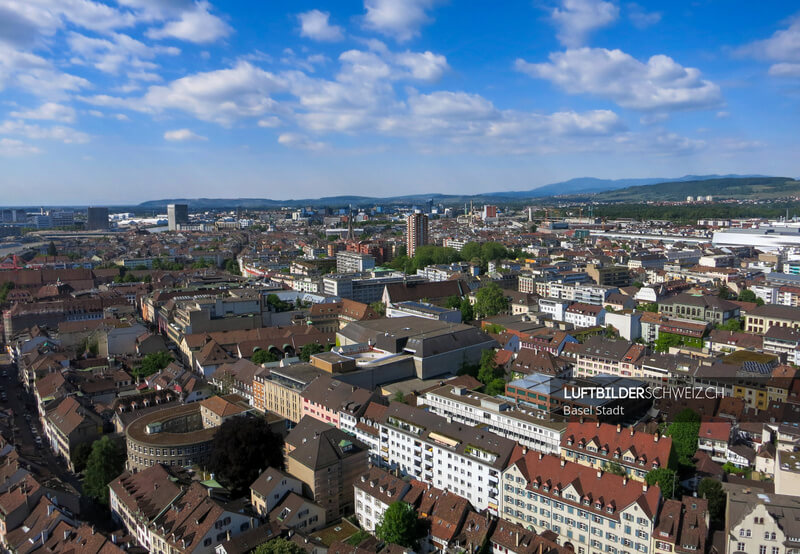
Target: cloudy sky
<point>128,100</point>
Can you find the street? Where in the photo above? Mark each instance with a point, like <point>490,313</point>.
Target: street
<point>23,404</point>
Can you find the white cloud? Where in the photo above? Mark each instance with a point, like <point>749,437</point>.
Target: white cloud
<point>49,111</point>
<point>197,25</point>
<point>785,69</point>
<point>297,140</point>
<point>315,25</point>
<point>116,52</point>
<point>640,18</point>
<point>35,74</point>
<point>183,135</point>
<point>576,19</point>
<point>783,45</point>
<point>659,84</point>
<point>67,135</point>
<point>722,114</point>
<point>221,96</point>
<point>446,104</point>
<point>401,20</point>
<point>12,148</point>
<point>425,66</point>
<point>45,17</point>
<point>269,122</point>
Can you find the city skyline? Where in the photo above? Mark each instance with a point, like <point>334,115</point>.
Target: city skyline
<point>120,102</point>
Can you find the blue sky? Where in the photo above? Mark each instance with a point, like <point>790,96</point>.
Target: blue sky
<point>129,100</point>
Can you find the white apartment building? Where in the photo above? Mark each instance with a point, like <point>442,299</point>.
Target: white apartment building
<point>448,455</point>
<point>374,491</point>
<point>353,262</point>
<point>592,511</point>
<point>584,315</point>
<point>528,428</point>
<point>553,307</point>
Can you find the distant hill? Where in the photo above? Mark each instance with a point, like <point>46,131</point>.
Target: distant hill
<point>741,188</point>
<point>591,184</point>
<point>578,186</point>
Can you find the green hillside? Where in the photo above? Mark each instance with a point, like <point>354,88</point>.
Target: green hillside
<point>720,189</point>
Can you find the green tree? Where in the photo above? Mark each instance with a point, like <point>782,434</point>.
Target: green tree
<point>80,455</point>
<point>152,363</point>
<point>747,296</point>
<point>263,356</point>
<point>638,284</point>
<point>667,340</point>
<point>308,350</point>
<point>488,370</point>
<point>379,308</point>
<point>232,267</point>
<point>242,448</point>
<point>400,525</point>
<point>467,312</point>
<point>649,307</point>
<point>724,292</point>
<point>105,462</point>
<point>685,431</point>
<point>51,249</point>
<point>278,305</point>
<point>667,480</point>
<point>712,490</point>
<point>453,302</point>
<point>278,546</point>
<point>733,324</point>
<point>490,300</point>
<point>496,387</point>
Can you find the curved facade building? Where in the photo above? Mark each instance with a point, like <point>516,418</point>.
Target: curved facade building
<point>174,436</point>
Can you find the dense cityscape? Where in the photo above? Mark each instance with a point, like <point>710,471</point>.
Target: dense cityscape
<point>419,378</point>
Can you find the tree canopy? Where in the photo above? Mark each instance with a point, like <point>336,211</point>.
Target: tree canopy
<point>685,431</point>
<point>262,356</point>
<point>243,447</point>
<point>152,363</point>
<point>278,546</point>
<point>400,525</point>
<point>308,350</point>
<point>712,490</point>
<point>105,462</point>
<point>667,481</point>
<point>490,300</point>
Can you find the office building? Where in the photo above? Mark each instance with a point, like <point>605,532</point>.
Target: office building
<point>416,232</point>
<point>354,262</point>
<point>96,219</point>
<point>177,214</point>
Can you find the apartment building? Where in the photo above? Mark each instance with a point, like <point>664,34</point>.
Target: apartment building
<point>328,461</point>
<point>762,523</point>
<point>448,455</point>
<point>374,492</point>
<point>270,488</point>
<point>600,356</point>
<point>591,511</point>
<point>683,526</point>
<point>584,315</point>
<point>762,318</point>
<point>602,445</point>
<point>711,309</point>
<point>530,428</point>
<point>353,262</point>
<point>279,389</point>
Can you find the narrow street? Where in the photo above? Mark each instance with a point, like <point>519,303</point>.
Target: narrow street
<point>23,404</point>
